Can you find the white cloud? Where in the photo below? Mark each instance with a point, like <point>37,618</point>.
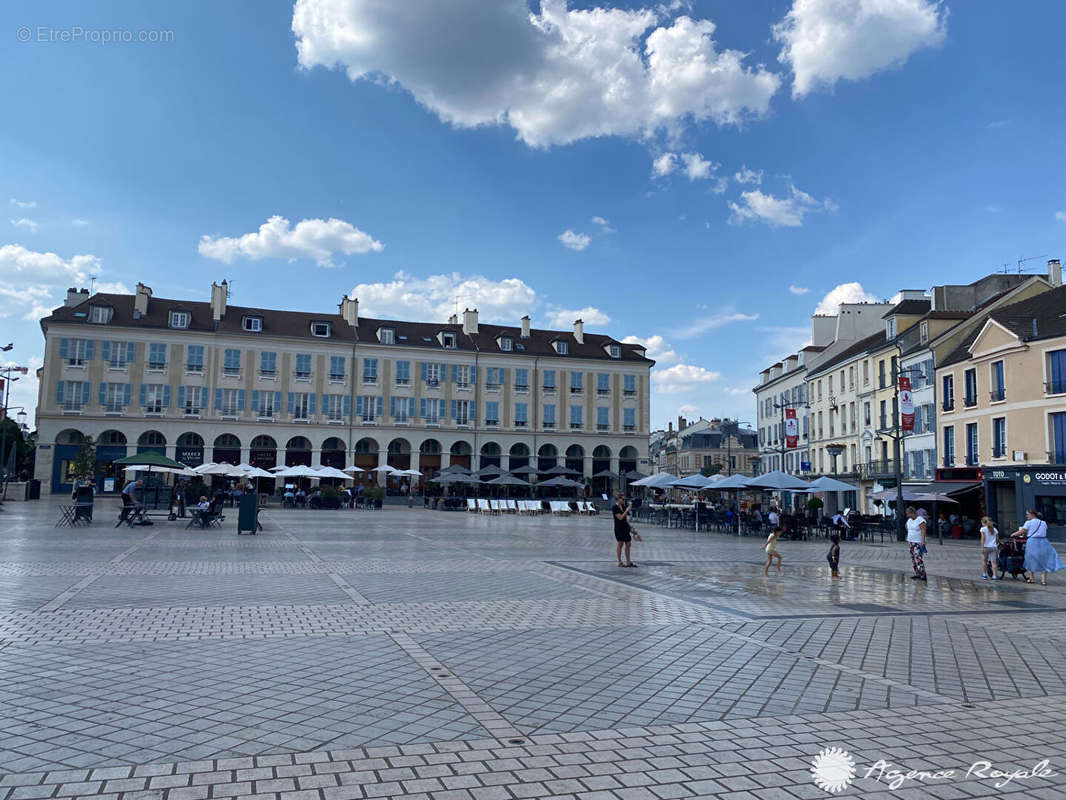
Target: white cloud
<point>656,348</point>
<point>605,226</point>
<point>681,378</point>
<point>737,391</point>
<point>782,340</point>
<point>798,289</point>
<point>574,241</point>
<point>555,77</point>
<point>745,175</point>
<point>709,323</point>
<point>23,222</point>
<point>1060,216</point>
<point>664,165</point>
<point>564,318</point>
<point>696,167</point>
<point>80,222</point>
<point>829,40</point>
<point>317,239</point>
<point>688,410</point>
<point>433,298</point>
<point>23,203</point>
<point>29,280</point>
<point>843,293</point>
<point>785,212</point>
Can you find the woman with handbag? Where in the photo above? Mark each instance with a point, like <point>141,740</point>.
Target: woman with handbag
<point>623,531</point>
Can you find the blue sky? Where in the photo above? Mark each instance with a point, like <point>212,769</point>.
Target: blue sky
<point>704,158</point>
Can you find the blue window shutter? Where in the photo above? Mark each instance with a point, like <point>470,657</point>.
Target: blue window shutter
<point>473,374</point>
<point>422,364</point>
<point>443,373</point>
<point>503,375</point>
<point>240,399</point>
<point>311,404</point>
<point>255,401</point>
<point>218,399</point>
<point>422,407</point>
<point>410,406</point>
<point>359,406</point>
<point>64,348</point>
<point>60,386</point>
<point>473,411</point>
<point>103,394</point>
<point>347,404</point>
<point>127,394</point>
<point>181,397</point>
<point>440,409</point>
<point>89,348</point>
<point>455,409</point>
<point>203,397</point>
<point>292,402</point>
<point>277,402</point>
<point>455,373</point>
<point>129,352</point>
<point>392,407</point>
<point>144,394</point>
<point>380,406</point>
<point>166,396</point>
<point>105,350</point>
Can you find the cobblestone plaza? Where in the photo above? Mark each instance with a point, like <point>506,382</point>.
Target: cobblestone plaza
<point>458,657</point>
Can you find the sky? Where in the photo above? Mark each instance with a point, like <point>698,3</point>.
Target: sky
<point>699,176</point>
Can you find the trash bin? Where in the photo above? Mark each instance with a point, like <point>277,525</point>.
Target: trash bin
<point>248,514</point>
<point>33,489</point>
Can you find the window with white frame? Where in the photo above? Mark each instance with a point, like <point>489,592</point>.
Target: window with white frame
<point>388,336</point>
<point>72,395</point>
<point>333,407</point>
<point>320,329</point>
<point>303,367</point>
<point>194,358</point>
<point>629,385</point>
<point>616,351</point>
<point>549,380</point>
<point>602,418</point>
<point>79,351</point>
<point>448,340</point>
<point>403,373</point>
<point>603,383</point>
<point>431,372</point>
<point>100,315</point>
<point>561,347</point>
<point>492,413</point>
<point>252,324</point>
<point>268,364</point>
<point>629,419</point>
<point>493,378</point>
<point>431,410</point>
<point>577,382</point>
<point>368,408</point>
<point>370,370</point>
<point>231,402</point>
<point>462,376</point>
<point>118,354</point>
<point>191,399</point>
<point>336,368</point>
<point>999,437</point>
<point>521,380</point>
<point>116,396</point>
<point>231,363</point>
<point>521,415</point>
<point>575,417</point>
<point>506,344</point>
<point>157,356</point>
<point>153,398</point>
<point>461,411</point>
<point>301,405</point>
<point>180,319</point>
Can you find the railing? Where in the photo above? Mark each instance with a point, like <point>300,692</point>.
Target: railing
<point>948,405</point>
<point>996,395</point>
<point>970,400</point>
<point>233,371</point>
<point>877,469</point>
<point>1055,387</point>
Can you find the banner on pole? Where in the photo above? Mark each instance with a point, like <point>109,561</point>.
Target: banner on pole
<point>791,429</point>
<point>906,404</point>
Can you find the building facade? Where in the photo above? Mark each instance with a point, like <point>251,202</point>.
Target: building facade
<point>712,445</point>
<point>782,388</point>
<point>211,382</point>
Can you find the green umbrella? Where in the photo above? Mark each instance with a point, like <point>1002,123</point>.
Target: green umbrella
<point>148,460</point>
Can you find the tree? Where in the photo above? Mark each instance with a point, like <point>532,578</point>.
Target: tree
<point>12,441</point>
<point>84,463</point>
<point>711,469</point>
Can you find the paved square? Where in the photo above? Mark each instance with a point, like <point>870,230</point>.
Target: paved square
<point>460,657</point>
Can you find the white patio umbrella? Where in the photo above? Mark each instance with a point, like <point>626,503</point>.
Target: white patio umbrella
<point>200,469</point>
<point>655,480</point>
<point>780,481</point>
<point>298,471</point>
<point>412,472</point>
<point>221,469</point>
<point>184,471</point>
<point>256,472</point>
<point>332,472</point>
<point>384,468</point>
<point>353,469</point>
<point>278,468</point>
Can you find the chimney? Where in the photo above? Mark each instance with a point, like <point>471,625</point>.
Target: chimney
<point>218,300</point>
<point>453,320</point>
<point>470,322</point>
<point>1054,272</point>
<point>73,297</point>
<point>350,310</point>
<point>579,331</point>
<point>525,326</point>
<point>140,300</point>
<point>670,427</point>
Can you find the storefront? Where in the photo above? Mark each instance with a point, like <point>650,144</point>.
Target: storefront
<point>1009,491</point>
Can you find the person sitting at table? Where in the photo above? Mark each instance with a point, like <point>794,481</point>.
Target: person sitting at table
<point>315,500</point>
<point>129,499</point>
<point>289,497</point>
<point>301,497</point>
<point>204,507</point>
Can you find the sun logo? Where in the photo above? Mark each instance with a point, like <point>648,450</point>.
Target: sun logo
<point>833,770</point>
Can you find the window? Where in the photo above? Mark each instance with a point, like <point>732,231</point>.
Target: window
<point>192,399</point>
<point>368,408</point>
<point>1056,372</point>
<point>562,348</point>
<point>448,340</point>
<point>180,319</point>
<point>884,417</point>
<point>521,380</point>
<point>506,344</point>
<point>890,328</point>
<point>116,354</point>
<point>431,374</point>
<point>100,315</point>
<point>575,417</point>
<point>402,409</point>
<point>616,351</point>
<point>629,385</point>
<point>370,370</point>
<point>866,414</point>
<point>157,356</point>
<point>970,381</point>
<point>114,397</point>
<point>403,373</point>
<point>549,416</point>
<point>303,366</point>
<point>154,397</point>
<point>321,329</point>
<point>1057,425</point>
<point>462,412</point>
<point>881,379</point>
<point>301,405</point>
<point>603,383</point>
<point>266,404</point>
<point>388,336</point>
<point>231,402</point>
<point>431,410</point>
<point>948,393</point>
<point>461,375</point>
<point>577,382</point>
<point>999,389</point>
<point>252,324</point>
<point>949,446</point>
<point>602,418</point>
<point>336,369</point>
<point>333,407</point>
<point>492,413</point>
<point>999,437</point>
<point>549,380</point>
<point>72,395</point>
<point>76,351</point>
<point>268,364</point>
<point>923,332</point>
<point>971,444</point>
<point>231,364</point>
<point>521,415</point>
<point>629,419</point>
<point>194,358</point>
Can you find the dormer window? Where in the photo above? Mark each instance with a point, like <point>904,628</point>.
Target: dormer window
<point>100,315</point>
<point>616,350</point>
<point>561,347</point>
<point>387,335</point>
<point>180,319</point>
<point>320,329</point>
<point>890,328</point>
<point>252,324</point>
<point>923,332</point>
<point>448,340</point>
<point>506,344</point>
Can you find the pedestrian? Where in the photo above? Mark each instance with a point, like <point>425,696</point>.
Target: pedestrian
<point>1040,556</point>
<point>623,531</point>
<point>774,518</point>
<point>834,556</point>
<point>771,551</point>
<point>916,543</point>
<point>989,548</point>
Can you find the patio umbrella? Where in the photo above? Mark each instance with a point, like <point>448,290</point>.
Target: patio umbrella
<point>655,480</point>
<point>604,473</point>
<point>184,471</point>
<point>732,482</point>
<point>692,482</point>
<point>560,481</point>
<point>353,469</point>
<point>453,478</point>
<point>200,469</point>
<point>507,480</point>
<point>332,472</point>
<point>827,484</point>
<point>526,469</point>
<point>383,468</point>
<point>218,469</point>
<point>148,460</point>
<point>779,480</point>
<point>634,475</point>
<point>298,471</point>
<point>256,472</point>
<point>412,472</point>
<point>911,497</point>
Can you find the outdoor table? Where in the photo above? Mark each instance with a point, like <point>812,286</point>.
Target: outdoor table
<point>133,515</point>
<point>69,516</point>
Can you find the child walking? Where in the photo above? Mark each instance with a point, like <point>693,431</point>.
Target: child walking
<point>834,556</point>
<point>771,551</point>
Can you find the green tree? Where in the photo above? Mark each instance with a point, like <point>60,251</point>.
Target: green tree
<point>12,440</point>
<point>710,469</point>
<point>84,463</point>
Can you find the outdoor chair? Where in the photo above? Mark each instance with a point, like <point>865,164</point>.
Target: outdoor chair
<point>483,506</point>
<point>471,505</point>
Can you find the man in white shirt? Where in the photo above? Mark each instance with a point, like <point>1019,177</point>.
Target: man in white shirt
<point>773,518</point>
<point>916,543</point>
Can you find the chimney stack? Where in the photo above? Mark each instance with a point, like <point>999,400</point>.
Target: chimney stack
<point>525,326</point>
<point>470,322</point>
<point>73,297</point>
<point>140,300</point>
<point>350,310</point>
<point>219,295</point>
<point>579,331</point>
<point>453,320</point>
<point>1054,272</point>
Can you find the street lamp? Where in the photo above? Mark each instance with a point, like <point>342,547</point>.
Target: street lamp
<point>834,450</point>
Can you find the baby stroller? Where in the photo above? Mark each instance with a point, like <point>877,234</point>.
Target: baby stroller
<point>1011,557</point>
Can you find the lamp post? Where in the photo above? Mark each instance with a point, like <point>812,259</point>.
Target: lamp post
<point>834,450</point>
<point>895,433</point>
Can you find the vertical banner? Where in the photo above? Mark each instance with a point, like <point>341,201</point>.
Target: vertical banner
<point>791,429</point>
<point>906,404</point>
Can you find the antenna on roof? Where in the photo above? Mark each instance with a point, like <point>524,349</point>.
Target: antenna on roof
<point>92,284</point>
<point>1022,260</point>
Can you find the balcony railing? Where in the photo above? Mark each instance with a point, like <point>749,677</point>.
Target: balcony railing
<point>997,395</point>
<point>1056,457</point>
<point>970,400</point>
<point>948,404</point>
<point>882,468</point>
<point>949,461</point>
<point>1055,387</point>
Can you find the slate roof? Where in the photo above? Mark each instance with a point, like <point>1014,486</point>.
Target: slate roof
<point>297,324</point>
<point>910,307</point>
<point>871,342</point>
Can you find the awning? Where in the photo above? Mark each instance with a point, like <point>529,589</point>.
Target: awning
<point>942,487</point>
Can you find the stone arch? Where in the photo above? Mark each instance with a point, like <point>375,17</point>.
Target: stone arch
<point>602,451</point>
<point>575,458</point>
<point>70,436</point>
<point>111,437</point>
<point>399,454</point>
<point>263,452</point>
<point>627,460</point>
<point>190,439</point>
<point>461,454</point>
<point>366,453</point>
<point>430,447</point>
<point>298,451</point>
<point>547,457</point>
<point>491,455</point>
<point>227,448</point>
<point>110,445</point>
<point>601,462</point>
<point>429,453</point>
<point>189,449</point>
<point>334,453</point>
<point>152,442</point>
<point>68,443</point>
<point>518,456</point>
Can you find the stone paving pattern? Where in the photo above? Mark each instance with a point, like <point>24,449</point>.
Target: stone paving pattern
<point>449,656</point>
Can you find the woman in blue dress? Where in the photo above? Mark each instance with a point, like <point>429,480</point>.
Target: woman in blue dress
<point>1040,556</point>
